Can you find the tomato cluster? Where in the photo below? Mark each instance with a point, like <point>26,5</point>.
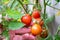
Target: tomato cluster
<point>36,27</point>
<point>31,28</point>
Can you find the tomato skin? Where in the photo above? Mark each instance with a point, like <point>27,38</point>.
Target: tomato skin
<point>26,19</point>
<point>36,14</point>
<point>36,29</point>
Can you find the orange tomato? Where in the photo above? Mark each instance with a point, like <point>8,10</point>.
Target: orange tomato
<point>36,29</point>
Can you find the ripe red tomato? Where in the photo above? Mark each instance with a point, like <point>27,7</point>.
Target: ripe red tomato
<point>36,29</point>
<point>36,14</point>
<point>26,19</point>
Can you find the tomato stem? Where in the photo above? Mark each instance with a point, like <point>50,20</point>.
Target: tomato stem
<point>53,7</point>
<point>22,5</point>
<point>37,3</point>
<point>44,9</point>
<point>12,4</point>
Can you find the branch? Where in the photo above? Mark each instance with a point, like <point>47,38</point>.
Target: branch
<point>47,1</point>
<point>55,4</point>
<point>37,3</point>
<point>22,5</point>
<point>12,4</point>
<point>53,7</point>
<point>44,8</point>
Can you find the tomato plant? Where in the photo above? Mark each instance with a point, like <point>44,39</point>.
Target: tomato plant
<point>16,24</point>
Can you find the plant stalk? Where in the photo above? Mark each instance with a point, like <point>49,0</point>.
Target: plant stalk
<point>12,4</point>
<point>53,7</point>
<point>22,5</point>
<point>44,9</point>
<point>37,3</point>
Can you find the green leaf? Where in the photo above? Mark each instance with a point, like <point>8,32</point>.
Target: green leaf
<point>14,4</point>
<point>26,2</point>
<point>49,37</point>
<point>57,37</point>
<point>49,3</point>
<point>3,14</point>
<point>42,15</point>
<point>13,25</point>
<point>49,19</point>
<point>6,34</point>
<point>39,7</point>
<point>14,14</point>
<point>5,0</point>
<point>5,23</point>
<point>59,27</point>
<point>10,4</point>
<point>39,38</point>
<point>57,0</point>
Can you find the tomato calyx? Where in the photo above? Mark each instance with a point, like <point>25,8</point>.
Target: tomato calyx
<point>39,21</point>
